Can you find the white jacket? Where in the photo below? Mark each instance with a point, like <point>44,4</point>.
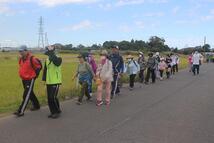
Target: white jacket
<point>196,58</point>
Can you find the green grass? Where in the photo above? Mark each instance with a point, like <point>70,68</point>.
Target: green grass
<point>11,86</point>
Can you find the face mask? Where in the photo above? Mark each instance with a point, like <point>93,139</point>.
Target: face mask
<point>103,57</point>
<point>140,56</point>
<point>129,60</point>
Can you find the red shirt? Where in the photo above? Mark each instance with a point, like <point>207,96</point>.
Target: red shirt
<point>26,71</point>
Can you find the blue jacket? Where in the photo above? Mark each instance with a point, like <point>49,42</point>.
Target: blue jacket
<point>132,67</point>
<point>117,63</point>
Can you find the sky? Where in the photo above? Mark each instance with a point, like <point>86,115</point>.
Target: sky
<point>182,23</point>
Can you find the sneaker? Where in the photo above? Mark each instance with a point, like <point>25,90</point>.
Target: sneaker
<point>20,114</point>
<point>131,88</point>
<point>107,103</point>
<point>16,113</point>
<point>50,116</point>
<point>89,99</point>
<point>99,103</point>
<point>55,116</point>
<point>112,96</point>
<point>34,109</point>
<point>90,94</point>
<point>79,103</point>
<point>146,83</point>
<point>59,112</point>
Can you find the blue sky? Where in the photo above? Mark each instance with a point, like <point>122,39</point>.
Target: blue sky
<point>182,23</point>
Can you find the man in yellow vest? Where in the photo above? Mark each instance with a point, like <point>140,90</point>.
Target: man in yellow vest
<point>53,77</point>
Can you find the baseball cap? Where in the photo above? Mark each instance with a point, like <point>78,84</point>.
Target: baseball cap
<point>22,48</point>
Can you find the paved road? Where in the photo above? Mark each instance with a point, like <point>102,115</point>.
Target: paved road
<point>180,110</point>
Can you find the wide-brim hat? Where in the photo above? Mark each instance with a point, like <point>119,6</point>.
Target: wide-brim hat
<point>141,53</point>
<point>129,57</point>
<point>162,59</point>
<point>104,53</point>
<point>80,56</point>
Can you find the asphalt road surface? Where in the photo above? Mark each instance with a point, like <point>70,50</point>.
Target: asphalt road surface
<point>179,110</point>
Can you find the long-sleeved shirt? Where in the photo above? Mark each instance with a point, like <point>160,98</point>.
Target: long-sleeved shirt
<point>117,63</point>
<point>132,67</point>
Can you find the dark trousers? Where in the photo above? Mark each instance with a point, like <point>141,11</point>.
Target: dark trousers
<point>196,67</point>
<point>141,75</point>
<point>115,86</point>
<point>84,91</point>
<point>176,67</point>
<point>28,95</point>
<point>53,102</point>
<point>161,73</point>
<point>173,69</point>
<point>132,80</point>
<point>149,73</point>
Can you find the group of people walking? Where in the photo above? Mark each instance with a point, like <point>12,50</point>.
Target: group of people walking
<point>29,70</point>
<point>107,72</point>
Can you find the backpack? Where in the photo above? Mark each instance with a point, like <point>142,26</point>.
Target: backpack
<point>37,71</point>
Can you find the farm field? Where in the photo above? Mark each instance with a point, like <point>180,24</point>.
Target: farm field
<point>11,87</point>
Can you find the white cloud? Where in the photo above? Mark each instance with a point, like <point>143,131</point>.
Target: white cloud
<point>51,3</point>
<point>140,24</point>
<point>106,6</point>
<point>125,28</point>
<point>47,3</point>
<point>155,14</point>
<point>86,24</point>
<point>208,17</point>
<point>129,2</point>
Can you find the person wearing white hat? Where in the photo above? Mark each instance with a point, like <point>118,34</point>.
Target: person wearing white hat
<point>132,68</point>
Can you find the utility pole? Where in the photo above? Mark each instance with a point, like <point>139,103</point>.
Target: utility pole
<point>46,39</point>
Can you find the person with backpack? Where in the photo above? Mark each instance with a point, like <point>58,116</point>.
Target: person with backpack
<point>151,67</point>
<point>118,69</point>
<point>142,63</point>
<point>52,75</point>
<point>132,68</point>
<point>29,69</point>
<point>104,76</point>
<point>84,74</point>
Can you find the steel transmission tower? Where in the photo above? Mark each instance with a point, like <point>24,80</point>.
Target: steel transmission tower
<point>41,44</point>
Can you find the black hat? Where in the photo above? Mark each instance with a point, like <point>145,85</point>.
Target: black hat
<point>115,46</point>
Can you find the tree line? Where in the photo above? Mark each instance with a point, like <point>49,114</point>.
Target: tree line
<point>154,44</point>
